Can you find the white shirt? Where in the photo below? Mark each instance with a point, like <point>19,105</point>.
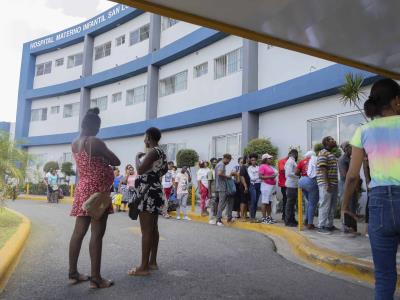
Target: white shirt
<point>168,179</point>
<point>202,175</point>
<point>292,179</point>
<point>312,167</point>
<point>254,174</point>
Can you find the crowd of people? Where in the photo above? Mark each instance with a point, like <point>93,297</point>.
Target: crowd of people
<point>321,175</point>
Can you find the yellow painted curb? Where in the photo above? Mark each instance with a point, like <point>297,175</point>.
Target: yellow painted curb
<point>303,248</point>
<point>11,251</point>
<point>65,200</point>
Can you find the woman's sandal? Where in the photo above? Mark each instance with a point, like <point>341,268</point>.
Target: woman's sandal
<point>135,272</point>
<point>102,284</point>
<point>75,278</point>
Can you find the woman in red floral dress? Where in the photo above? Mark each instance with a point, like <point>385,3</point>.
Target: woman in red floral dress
<point>94,161</point>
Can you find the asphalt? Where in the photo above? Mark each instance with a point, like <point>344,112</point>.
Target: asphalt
<point>197,261</point>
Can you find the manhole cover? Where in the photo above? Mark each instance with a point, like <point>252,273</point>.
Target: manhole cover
<point>179,273</point>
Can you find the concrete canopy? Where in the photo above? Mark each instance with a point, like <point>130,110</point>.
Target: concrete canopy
<point>360,33</point>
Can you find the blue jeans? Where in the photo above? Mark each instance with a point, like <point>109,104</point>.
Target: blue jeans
<point>255,192</point>
<point>310,190</point>
<point>384,236</point>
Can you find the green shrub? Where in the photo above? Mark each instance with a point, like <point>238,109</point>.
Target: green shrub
<point>186,157</point>
<point>51,165</point>
<point>66,168</point>
<point>40,189</point>
<point>260,147</point>
<point>336,151</point>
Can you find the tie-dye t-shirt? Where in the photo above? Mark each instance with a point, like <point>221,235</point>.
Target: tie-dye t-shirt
<point>380,139</point>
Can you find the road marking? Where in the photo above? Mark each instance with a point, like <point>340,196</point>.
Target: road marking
<point>136,231</point>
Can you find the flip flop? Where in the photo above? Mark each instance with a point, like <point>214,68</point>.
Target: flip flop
<point>76,278</point>
<point>101,285</point>
<point>135,272</point>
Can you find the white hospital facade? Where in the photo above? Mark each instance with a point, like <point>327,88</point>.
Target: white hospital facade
<point>204,89</point>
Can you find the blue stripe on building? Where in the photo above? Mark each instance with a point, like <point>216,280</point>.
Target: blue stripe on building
<point>321,83</point>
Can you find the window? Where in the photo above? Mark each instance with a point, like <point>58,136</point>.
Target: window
<point>136,95</point>
<point>55,110</point>
<point>102,51</point>
<point>39,114</point>
<point>71,110</point>
<point>172,149</point>
<point>229,63</point>
<point>67,156</point>
<point>167,23</point>
<point>74,60</point>
<point>173,84</point>
<point>44,68</point>
<point>230,143</point>
<point>200,70</point>
<point>348,124</point>
<point>139,35</point>
<point>116,97</point>
<point>100,102</point>
<point>120,40</point>
<point>340,127</point>
<point>59,62</point>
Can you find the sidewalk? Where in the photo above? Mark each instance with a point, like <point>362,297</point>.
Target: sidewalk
<point>340,253</point>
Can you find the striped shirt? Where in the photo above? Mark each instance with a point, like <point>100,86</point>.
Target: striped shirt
<point>327,162</point>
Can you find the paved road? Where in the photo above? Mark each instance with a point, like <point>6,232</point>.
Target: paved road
<point>197,261</point>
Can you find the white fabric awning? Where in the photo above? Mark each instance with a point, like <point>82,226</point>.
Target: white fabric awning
<point>360,33</point>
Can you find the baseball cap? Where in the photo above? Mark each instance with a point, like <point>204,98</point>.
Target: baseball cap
<point>266,155</point>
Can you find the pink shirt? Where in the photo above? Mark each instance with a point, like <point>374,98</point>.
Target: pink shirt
<point>131,180</point>
<point>267,170</point>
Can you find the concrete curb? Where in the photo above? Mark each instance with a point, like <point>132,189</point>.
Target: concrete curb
<point>12,250</point>
<point>65,200</point>
<point>303,248</point>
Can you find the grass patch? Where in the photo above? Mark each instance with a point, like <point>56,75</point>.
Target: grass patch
<point>9,223</point>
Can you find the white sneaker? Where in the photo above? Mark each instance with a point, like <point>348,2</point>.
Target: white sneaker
<point>219,223</point>
<point>187,218</point>
<point>178,217</point>
<point>212,222</point>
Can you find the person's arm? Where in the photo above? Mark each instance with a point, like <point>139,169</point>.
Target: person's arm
<point>352,178</point>
<point>189,176</point>
<point>298,169</point>
<point>147,163</point>
<point>97,147</point>
<point>221,174</point>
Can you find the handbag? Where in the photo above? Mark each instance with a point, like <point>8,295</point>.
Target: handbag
<point>97,204</point>
<point>230,187</point>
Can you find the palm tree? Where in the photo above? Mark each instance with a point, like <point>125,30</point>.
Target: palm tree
<point>351,92</point>
<point>13,162</point>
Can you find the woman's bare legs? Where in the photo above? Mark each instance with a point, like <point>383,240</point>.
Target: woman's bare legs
<point>98,228</point>
<point>147,226</point>
<point>154,248</point>
<point>75,244</point>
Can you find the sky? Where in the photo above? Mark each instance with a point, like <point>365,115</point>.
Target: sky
<point>26,20</point>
